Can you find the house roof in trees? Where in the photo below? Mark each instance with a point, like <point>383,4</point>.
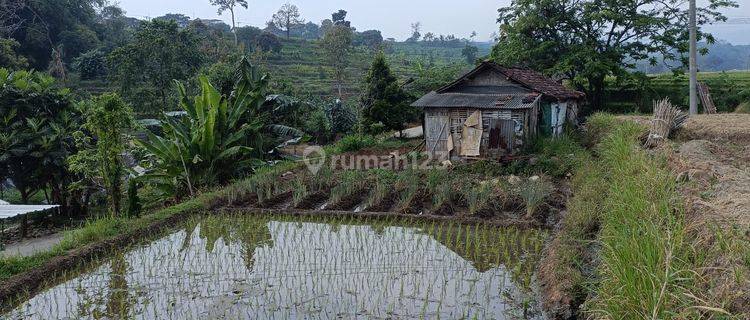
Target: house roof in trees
<point>490,85</point>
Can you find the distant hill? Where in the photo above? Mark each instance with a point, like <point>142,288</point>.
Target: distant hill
<point>722,56</point>
<point>302,64</point>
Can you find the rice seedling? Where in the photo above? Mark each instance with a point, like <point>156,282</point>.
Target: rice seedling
<point>351,183</point>
<point>408,187</point>
<point>382,189</point>
<point>534,192</point>
<point>418,269</point>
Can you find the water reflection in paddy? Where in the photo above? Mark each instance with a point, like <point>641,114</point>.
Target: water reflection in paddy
<point>259,268</point>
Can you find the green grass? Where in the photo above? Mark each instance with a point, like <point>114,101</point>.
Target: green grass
<point>743,108</point>
<point>644,271</point>
<point>627,212</point>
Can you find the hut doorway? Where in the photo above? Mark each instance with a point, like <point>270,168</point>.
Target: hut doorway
<point>502,133</point>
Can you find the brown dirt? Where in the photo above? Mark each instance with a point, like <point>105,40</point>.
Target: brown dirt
<point>277,201</point>
<point>730,127</point>
<point>350,202</point>
<point>385,205</point>
<point>313,201</point>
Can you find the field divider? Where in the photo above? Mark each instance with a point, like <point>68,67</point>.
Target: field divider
<point>468,220</point>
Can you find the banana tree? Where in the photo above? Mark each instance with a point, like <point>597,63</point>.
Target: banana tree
<point>219,138</point>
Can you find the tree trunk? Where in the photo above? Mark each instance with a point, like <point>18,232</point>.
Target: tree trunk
<point>234,27</point>
<point>596,94</point>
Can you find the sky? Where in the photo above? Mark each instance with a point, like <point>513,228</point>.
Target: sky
<point>392,17</point>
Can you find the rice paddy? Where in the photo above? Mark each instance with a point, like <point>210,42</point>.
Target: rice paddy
<point>281,267</point>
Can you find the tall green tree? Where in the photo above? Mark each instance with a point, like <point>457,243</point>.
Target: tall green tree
<point>44,25</point>
<point>337,46</point>
<point>230,5</point>
<point>384,101</point>
<point>37,120</point>
<point>109,119</point>
<point>158,53</point>
<point>589,40</point>
<point>470,53</point>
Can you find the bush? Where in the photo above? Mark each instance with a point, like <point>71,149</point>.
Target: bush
<point>268,42</point>
<point>318,125</point>
<point>91,65</point>
<point>341,116</point>
<point>743,108</point>
<point>355,142</point>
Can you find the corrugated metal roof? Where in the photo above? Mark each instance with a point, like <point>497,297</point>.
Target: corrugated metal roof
<point>481,101</point>
<point>12,210</point>
<point>530,79</point>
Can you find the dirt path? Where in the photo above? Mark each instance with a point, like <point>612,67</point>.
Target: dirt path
<point>29,247</point>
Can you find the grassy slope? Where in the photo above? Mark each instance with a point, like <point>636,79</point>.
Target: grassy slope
<point>303,65</point>
<point>623,250</point>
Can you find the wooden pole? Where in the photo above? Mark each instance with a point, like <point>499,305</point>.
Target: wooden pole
<point>693,60</point>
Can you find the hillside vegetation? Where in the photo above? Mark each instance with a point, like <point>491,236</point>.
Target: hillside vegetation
<point>302,68</point>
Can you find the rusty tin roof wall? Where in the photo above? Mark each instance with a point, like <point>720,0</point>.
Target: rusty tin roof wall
<point>524,88</point>
<point>480,101</point>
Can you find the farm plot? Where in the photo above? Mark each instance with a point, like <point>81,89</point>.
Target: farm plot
<point>251,266</point>
<point>529,201</point>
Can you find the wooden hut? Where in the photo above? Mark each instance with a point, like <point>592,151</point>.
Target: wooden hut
<point>491,111</point>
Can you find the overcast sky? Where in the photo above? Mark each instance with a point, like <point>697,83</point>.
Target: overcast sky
<point>392,17</point>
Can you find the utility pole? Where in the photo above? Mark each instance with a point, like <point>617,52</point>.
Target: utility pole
<point>693,60</point>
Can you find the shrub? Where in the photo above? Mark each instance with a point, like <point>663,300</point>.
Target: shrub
<point>533,193</point>
<point>134,201</point>
<point>743,108</point>
<point>91,65</point>
<point>355,142</point>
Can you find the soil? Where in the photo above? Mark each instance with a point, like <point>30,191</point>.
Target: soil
<point>350,202</point>
<point>385,205</point>
<point>277,201</point>
<point>314,200</point>
<point>712,158</point>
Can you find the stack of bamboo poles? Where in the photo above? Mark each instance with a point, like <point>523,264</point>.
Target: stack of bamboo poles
<point>667,118</point>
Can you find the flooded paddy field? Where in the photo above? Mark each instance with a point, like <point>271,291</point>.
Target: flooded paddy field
<point>280,267</point>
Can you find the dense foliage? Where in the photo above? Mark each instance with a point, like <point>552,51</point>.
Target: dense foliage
<point>384,101</point>
<point>109,120</point>
<point>37,121</point>
<point>587,41</point>
<point>159,53</point>
<point>219,138</point>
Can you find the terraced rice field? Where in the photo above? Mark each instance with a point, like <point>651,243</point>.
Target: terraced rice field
<point>280,267</point>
